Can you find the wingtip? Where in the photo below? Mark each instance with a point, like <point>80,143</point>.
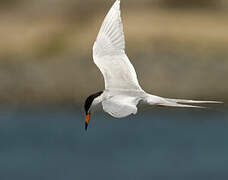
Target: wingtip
<point>117,3</point>
<point>115,6</point>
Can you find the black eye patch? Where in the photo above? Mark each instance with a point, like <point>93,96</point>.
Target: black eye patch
<point>89,101</point>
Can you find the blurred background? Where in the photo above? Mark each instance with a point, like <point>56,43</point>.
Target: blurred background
<point>179,49</point>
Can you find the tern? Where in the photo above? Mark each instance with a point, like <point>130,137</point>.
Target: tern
<point>122,91</point>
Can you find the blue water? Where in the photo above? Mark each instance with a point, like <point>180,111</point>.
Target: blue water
<point>51,144</point>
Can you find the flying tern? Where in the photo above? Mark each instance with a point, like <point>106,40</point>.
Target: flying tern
<point>122,91</point>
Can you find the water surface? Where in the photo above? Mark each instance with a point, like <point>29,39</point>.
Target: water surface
<point>50,143</point>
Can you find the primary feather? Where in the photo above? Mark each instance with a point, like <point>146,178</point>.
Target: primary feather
<point>109,53</point>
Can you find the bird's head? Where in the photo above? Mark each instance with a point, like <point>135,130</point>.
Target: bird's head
<point>89,103</point>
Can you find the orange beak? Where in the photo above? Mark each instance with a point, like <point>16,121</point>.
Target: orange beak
<point>87,120</point>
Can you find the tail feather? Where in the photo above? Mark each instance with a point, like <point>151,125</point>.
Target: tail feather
<point>160,101</point>
<point>191,101</point>
<point>171,104</point>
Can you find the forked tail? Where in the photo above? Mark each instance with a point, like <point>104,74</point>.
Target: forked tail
<point>160,101</point>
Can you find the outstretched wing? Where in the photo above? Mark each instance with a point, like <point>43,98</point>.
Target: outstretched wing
<point>109,53</point>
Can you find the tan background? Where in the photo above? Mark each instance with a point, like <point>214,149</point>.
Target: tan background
<point>178,48</point>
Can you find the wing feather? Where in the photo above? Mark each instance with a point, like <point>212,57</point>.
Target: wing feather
<point>109,53</point>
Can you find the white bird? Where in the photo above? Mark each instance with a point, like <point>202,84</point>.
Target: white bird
<point>122,90</point>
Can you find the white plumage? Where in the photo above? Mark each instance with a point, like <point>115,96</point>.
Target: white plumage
<point>122,91</point>
<point>109,53</point>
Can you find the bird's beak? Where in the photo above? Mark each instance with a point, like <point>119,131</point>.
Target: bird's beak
<point>87,120</point>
